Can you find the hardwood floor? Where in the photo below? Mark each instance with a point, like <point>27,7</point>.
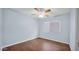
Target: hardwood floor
<point>39,44</point>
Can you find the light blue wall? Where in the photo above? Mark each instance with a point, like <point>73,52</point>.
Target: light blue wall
<point>63,36</point>
<point>77,32</point>
<point>18,27</point>
<point>0,26</point>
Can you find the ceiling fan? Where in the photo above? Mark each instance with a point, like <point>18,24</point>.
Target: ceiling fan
<point>42,12</point>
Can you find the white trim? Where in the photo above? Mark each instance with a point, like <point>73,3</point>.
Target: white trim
<point>54,40</point>
<point>73,29</point>
<point>19,42</point>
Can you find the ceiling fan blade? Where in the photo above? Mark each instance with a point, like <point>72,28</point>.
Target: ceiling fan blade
<point>37,9</point>
<point>48,10</point>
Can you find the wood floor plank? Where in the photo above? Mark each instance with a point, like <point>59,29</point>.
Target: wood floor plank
<point>39,44</point>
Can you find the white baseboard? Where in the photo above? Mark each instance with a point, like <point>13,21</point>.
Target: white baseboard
<point>54,40</point>
<point>19,42</point>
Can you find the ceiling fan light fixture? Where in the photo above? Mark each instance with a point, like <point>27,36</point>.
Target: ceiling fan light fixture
<point>40,16</point>
<point>41,12</point>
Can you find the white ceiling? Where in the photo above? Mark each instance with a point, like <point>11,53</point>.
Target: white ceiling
<point>55,11</point>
